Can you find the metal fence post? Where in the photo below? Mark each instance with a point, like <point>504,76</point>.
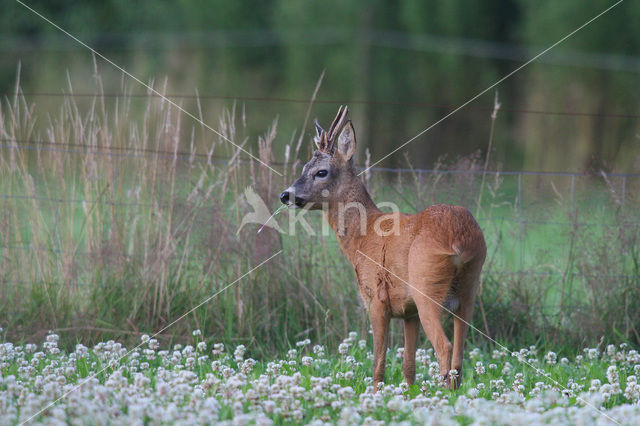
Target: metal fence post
<point>573,185</point>
<point>521,220</point>
<point>519,192</point>
<point>624,192</point>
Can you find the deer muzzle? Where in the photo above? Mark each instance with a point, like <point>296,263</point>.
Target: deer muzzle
<point>285,199</point>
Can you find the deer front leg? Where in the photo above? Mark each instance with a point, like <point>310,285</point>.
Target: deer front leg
<point>411,330</point>
<point>379,317</point>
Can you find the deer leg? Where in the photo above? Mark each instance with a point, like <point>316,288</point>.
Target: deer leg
<point>431,278</point>
<point>463,316</point>
<point>411,330</point>
<point>460,327</point>
<point>430,318</point>
<point>379,316</point>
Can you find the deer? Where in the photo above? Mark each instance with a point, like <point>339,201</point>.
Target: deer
<point>408,266</point>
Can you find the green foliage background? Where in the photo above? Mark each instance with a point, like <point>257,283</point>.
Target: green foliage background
<point>432,53</point>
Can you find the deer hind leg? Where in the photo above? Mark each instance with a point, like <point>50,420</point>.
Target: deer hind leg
<point>379,317</point>
<point>466,287</point>
<point>431,281</point>
<point>411,330</point>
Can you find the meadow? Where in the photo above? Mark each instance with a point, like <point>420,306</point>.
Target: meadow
<point>117,220</point>
<point>201,383</point>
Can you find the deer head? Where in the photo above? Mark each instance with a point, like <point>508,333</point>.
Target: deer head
<point>330,167</point>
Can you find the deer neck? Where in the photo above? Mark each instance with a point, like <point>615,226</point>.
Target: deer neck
<point>349,215</point>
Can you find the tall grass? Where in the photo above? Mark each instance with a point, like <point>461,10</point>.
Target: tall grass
<point>128,218</point>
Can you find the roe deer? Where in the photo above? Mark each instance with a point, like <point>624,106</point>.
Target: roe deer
<point>429,260</point>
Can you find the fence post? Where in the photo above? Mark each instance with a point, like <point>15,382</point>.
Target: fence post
<point>624,191</point>
<point>519,191</point>
<point>521,220</point>
<point>573,185</point>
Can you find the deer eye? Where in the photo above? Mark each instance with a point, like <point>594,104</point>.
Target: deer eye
<point>321,173</point>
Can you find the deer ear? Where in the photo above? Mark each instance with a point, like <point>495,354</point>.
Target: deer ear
<point>347,141</point>
<point>318,137</point>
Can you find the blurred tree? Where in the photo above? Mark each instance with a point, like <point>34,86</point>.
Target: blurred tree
<point>430,52</point>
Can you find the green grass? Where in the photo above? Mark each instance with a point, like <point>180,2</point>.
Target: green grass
<point>156,236</point>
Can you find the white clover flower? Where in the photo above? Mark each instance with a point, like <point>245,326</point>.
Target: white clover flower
<point>632,389</point>
<point>593,353</point>
<point>303,343</point>
<point>346,392</point>
<point>480,368</point>
<point>434,370</point>
<point>292,353</point>
<point>550,357</point>
<point>612,374</point>
<point>238,354</point>
<point>474,353</point>
<point>318,350</point>
<point>343,348</point>
<point>218,348</point>
<point>397,403</point>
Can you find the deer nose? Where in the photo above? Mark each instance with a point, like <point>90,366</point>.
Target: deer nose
<point>284,197</point>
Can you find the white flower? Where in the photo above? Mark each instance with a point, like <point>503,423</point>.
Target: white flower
<point>302,343</point>
<point>238,354</point>
<point>434,370</point>
<point>612,374</point>
<point>551,357</point>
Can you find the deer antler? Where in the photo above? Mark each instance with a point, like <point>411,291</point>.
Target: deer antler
<point>338,122</point>
<point>325,139</point>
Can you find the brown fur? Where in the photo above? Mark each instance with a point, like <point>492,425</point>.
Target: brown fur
<point>438,252</point>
